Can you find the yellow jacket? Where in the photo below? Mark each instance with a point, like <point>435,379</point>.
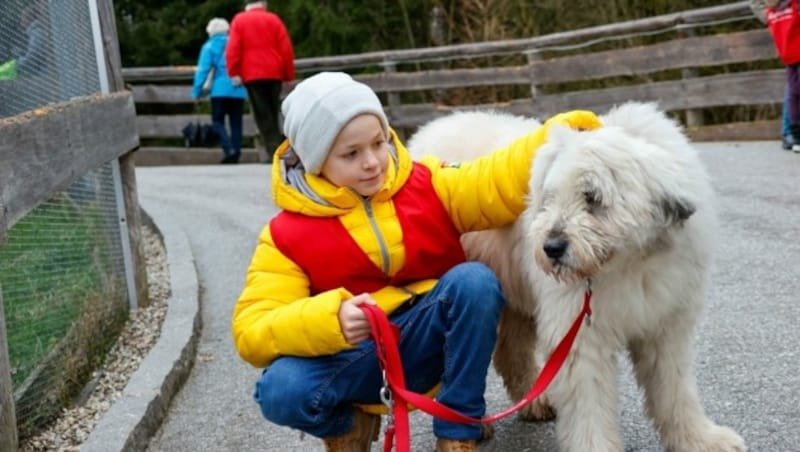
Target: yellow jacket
<point>277,314</point>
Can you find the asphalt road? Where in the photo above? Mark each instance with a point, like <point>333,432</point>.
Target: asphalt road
<point>748,362</point>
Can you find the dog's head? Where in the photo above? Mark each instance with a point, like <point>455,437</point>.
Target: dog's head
<point>610,194</point>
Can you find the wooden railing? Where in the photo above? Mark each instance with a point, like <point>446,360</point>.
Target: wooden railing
<point>548,68</point>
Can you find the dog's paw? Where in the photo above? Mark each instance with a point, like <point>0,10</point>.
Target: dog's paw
<point>538,411</point>
<point>487,432</point>
<point>714,439</point>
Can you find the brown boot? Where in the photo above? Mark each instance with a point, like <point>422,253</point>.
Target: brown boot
<point>359,438</point>
<point>487,432</point>
<point>455,445</point>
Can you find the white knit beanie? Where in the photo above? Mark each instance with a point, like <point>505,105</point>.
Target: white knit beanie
<point>318,108</point>
<point>217,26</point>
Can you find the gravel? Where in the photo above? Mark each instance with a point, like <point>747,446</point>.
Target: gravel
<point>140,333</point>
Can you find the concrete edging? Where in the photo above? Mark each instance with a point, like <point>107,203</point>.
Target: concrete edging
<point>137,414</point>
<point>166,156</point>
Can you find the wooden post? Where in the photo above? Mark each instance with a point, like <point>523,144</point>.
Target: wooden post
<point>694,118</point>
<point>127,166</point>
<point>533,56</point>
<point>8,418</point>
<point>392,98</point>
<point>438,33</point>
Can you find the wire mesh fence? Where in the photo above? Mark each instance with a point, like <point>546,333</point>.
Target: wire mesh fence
<point>62,270</point>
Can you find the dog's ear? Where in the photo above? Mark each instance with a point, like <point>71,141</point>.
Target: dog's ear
<point>676,210</point>
<point>558,137</point>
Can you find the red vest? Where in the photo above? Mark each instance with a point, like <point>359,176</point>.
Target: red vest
<point>330,258</point>
<point>784,24</point>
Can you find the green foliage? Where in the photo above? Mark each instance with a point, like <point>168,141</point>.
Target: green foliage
<point>321,28</point>
<point>171,32</point>
<point>155,33</point>
<point>484,20</point>
<point>162,33</point>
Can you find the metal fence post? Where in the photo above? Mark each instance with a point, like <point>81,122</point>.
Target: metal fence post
<point>110,69</point>
<point>8,418</point>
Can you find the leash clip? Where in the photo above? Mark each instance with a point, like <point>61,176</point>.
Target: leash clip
<point>587,297</point>
<point>386,399</point>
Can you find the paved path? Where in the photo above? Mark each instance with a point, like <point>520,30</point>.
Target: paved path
<point>748,363</point>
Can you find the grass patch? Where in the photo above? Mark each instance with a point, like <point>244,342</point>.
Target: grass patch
<point>64,301</point>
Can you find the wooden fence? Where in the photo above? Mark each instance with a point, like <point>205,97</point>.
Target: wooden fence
<point>548,71</point>
<point>62,142</point>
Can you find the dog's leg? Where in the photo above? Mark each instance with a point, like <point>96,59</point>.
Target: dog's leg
<point>585,396</point>
<point>664,369</point>
<point>515,362</point>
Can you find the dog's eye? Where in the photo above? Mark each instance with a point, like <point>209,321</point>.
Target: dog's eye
<point>592,198</point>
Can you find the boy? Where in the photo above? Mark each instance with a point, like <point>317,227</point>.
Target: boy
<point>363,223</point>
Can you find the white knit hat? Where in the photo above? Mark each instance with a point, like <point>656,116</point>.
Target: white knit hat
<point>318,108</point>
<point>217,26</point>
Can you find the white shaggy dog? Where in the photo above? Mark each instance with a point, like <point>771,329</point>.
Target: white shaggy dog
<point>630,207</point>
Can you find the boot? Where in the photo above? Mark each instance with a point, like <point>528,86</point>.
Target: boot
<point>795,130</point>
<point>487,432</point>
<point>788,142</point>
<point>455,445</point>
<point>359,438</point>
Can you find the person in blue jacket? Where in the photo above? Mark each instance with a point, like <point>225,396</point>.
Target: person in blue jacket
<point>227,98</point>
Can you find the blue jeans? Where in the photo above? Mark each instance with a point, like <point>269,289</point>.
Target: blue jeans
<point>793,76</point>
<point>448,335</point>
<point>785,130</point>
<point>232,108</point>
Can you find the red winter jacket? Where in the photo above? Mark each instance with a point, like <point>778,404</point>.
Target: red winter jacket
<point>259,47</point>
<point>784,23</point>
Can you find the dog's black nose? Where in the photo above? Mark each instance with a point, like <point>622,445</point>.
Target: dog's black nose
<point>555,248</point>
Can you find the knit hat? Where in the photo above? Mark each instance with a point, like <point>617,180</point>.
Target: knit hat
<point>318,108</point>
<point>217,26</point>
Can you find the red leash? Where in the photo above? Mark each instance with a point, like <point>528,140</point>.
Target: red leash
<point>397,398</point>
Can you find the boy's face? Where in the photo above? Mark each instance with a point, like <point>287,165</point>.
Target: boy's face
<point>359,156</point>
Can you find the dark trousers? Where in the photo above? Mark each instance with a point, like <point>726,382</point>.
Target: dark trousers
<point>265,99</point>
<point>232,108</point>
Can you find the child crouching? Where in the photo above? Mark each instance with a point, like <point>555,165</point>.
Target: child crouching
<point>363,223</point>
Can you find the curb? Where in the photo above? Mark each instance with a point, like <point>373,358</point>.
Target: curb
<point>167,156</point>
<point>137,414</point>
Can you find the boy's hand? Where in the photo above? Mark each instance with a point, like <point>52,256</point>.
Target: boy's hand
<point>577,119</point>
<point>353,321</point>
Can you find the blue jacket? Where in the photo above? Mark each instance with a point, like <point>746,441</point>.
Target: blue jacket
<point>213,54</point>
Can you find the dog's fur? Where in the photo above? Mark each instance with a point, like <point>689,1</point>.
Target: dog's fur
<point>630,207</point>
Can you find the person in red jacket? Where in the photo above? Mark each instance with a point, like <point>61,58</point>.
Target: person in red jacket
<point>783,20</point>
<point>260,55</point>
